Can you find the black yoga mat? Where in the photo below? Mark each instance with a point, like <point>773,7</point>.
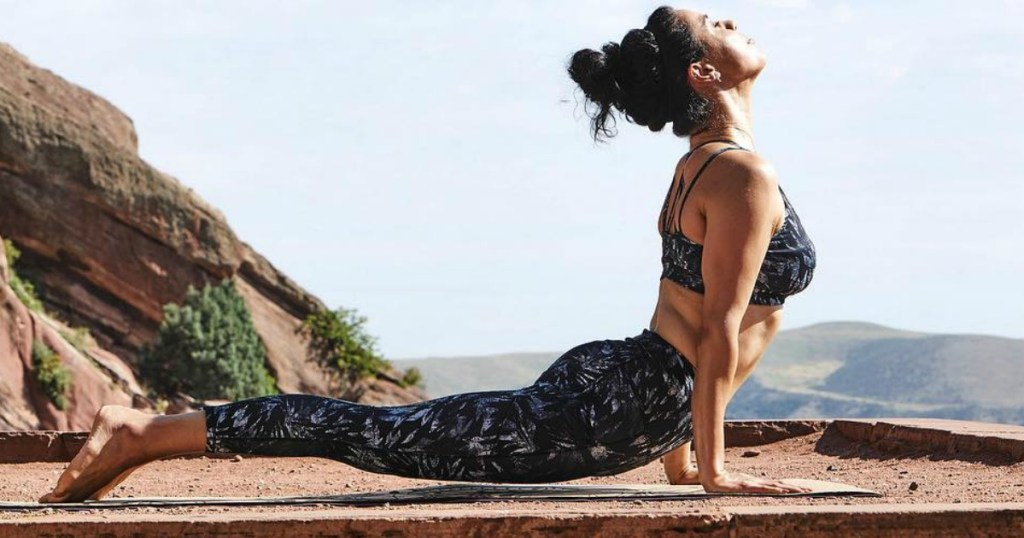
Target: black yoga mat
<point>454,493</point>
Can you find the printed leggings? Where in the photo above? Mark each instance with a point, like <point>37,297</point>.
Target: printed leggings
<point>603,407</point>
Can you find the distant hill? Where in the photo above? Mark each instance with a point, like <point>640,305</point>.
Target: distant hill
<point>850,369</point>
<point>451,375</point>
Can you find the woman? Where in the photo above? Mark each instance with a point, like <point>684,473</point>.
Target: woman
<point>730,258</point>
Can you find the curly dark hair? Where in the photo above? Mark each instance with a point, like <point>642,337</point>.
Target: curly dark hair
<point>644,78</point>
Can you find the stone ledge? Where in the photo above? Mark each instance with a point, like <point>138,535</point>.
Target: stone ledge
<point>937,435</point>
<point>906,520</point>
<point>40,445</point>
<point>762,432</point>
<point>880,520</point>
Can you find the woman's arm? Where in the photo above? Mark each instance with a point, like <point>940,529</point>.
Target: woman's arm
<point>680,469</point>
<point>739,216</point>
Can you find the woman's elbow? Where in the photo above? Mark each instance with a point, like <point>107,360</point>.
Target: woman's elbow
<point>718,327</point>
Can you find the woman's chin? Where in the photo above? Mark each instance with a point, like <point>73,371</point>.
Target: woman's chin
<point>762,60</point>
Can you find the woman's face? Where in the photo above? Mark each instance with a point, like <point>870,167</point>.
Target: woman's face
<point>732,54</point>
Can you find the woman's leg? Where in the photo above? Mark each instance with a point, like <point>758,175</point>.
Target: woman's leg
<point>122,440</point>
<point>601,408</point>
<point>526,435</point>
<point>473,436</point>
<point>582,417</point>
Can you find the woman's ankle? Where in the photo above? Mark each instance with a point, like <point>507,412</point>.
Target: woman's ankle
<point>173,435</point>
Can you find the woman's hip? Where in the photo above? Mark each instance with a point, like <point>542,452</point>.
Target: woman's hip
<point>634,386</point>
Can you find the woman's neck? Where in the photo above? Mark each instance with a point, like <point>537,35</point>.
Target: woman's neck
<point>732,119</point>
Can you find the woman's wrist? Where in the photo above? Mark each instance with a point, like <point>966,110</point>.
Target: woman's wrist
<point>712,476</point>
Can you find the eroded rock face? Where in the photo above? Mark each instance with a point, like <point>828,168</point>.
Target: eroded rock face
<point>98,377</point>
<point>110,239</point>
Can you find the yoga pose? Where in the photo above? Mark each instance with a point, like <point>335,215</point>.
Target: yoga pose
<point>733,250</point>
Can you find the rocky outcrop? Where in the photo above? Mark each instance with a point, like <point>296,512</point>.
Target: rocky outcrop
<point>98,377</point>
<point>109,239</point>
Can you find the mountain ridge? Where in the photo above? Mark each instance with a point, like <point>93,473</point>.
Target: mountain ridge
<point>841,368</point>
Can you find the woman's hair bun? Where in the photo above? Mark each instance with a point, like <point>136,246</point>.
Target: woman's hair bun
<point>643,101</point>
<point>643,78</point>
<point>594,71</point>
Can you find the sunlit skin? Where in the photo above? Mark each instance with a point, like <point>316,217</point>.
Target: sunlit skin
<point>122,440</point>
<point>734,210</point>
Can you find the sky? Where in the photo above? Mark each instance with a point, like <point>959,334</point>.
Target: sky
<point>428,163</point>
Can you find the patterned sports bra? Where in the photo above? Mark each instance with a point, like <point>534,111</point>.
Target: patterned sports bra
<point>788,265</point>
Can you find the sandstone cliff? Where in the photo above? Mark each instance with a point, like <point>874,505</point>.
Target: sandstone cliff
<point>99,377</point>
<point>110,240</point>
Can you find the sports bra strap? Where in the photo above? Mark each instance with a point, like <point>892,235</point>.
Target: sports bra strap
<point>702,144</point>
<point>667,209</point>
<point>701,170</point>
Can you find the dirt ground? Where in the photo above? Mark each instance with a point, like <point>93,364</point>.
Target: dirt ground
<point>907,477</point>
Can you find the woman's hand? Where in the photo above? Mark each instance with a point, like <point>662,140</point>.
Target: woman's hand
<point>732,482</point>
<point>687,476</point>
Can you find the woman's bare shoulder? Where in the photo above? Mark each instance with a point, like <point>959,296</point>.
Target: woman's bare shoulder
<point>739,172</point>
<point>726,164</point>
<point>747,164</point>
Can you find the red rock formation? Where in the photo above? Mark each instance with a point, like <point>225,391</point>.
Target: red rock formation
<point>98,377</point>
<point>110,239</point>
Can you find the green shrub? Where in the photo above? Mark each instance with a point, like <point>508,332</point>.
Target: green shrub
<point>23,289</point>
<point>208,348</point>
<point>412,378</point>
<point>11,252</point>
<point>53,377</point>
<point>340,344</point>
<point>26,293</point>
<point>79,338</point>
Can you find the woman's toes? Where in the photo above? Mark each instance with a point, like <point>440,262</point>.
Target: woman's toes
<point>113,445</point>
<point>50,498</point>
<point>102,492</point>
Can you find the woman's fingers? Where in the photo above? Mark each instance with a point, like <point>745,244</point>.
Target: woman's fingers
<point>781,485</point>
<point>774,486</point>
<point>744,483</point>
<point>793,488</point>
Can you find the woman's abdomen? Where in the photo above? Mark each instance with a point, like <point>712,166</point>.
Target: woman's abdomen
<point>678,317</point>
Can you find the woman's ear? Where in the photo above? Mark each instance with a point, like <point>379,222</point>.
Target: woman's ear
<point>703,76</point>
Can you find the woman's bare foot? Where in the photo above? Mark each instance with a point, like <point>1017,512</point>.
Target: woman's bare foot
<point>102,492</point>
<point>122,440</point>
<point>114,447</point>
<point>686,477</point>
